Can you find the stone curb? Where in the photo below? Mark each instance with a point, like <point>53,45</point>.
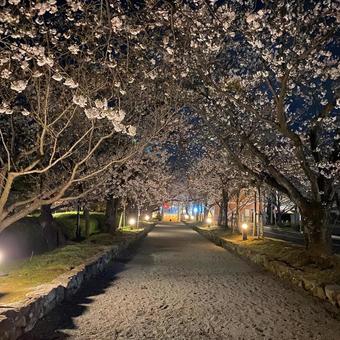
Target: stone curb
<point>19,318</point>
<point>330,293</point>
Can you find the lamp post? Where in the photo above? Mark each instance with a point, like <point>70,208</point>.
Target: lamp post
<point>244,231</point>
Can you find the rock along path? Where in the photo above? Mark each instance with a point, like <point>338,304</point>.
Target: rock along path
<point>178,285</point>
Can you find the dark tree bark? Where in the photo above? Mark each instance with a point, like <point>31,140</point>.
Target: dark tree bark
<point>206,209</point>
<point>225,199</point>
<point>315,223</point>
<point>51,231</point>
<point>46,217</point>
<point>220,213</point>
<point>86,214</point>
<point>78,230</point>
<point>238,211</point>
<point>111,214</point>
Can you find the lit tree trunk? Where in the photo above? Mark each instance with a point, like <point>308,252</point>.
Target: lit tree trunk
<point>225,208</point>
<point>315,223</point>
<point>261,213</point>
<point>220,213</point>
<point>255,214</point>
<point>237,214</point>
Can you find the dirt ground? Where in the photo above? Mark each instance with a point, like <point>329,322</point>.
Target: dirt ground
<point>178,285</point>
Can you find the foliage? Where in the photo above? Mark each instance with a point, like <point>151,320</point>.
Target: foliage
<point>68,220</point>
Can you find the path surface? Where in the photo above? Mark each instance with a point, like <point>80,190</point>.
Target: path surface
<point>181,286</point>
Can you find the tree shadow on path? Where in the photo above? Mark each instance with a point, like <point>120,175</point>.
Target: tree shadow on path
<point>61,318</point>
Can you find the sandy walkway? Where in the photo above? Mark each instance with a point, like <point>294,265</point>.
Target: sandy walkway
<point>181,286</point>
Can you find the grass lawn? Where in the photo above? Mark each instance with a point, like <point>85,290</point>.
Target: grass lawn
<point>24,275</point>
<point>68,221</point>
<point>131,229</point>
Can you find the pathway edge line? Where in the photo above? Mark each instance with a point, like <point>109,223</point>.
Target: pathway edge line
<point>19,318</point>
<point>329,293</point>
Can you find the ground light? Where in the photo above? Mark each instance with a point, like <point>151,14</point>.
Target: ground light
<point>147,217</point>
<point>244,231</point>
<point>132,222</point>
<point>186,216</point>
<point>2,259</point>
<point>192,217</point>
<point>209,221</point>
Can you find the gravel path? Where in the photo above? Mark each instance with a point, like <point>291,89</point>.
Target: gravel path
<point>180,286</point>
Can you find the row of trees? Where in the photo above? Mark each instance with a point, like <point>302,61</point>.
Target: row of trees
<point>264,78</point>
<point>78,103</point>
<point>86,86</point>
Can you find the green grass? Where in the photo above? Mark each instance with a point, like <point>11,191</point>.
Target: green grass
<point>24,275</point>
<point>130,229</point>
<point>68,222</point>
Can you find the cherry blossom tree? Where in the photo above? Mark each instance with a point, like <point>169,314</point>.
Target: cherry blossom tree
<point>263,76</point>
<point>268,76</point>
<point>77,96</point>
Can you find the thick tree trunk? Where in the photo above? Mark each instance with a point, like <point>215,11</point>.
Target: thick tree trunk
<point>86,214</point>
<point>46,217</point>
<point>206,210</point>
<point>78,229</point>
<point>315,223</point>
<point>52,234</point>
<point>220,214</point>
<point>225,208</point>
<point>237,213</point>
<point>111,213</point>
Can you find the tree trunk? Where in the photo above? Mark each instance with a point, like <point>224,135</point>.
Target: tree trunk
<point>78,230</point>
<point>237,214</point>
<point>52,234</point>
<point>111,214</point>
<point>220,213</point>
<point>255,214</point>
<point>279,212</point>
<point>206,209</point>
<point>261,213</point>
<point>271,214</point>
<point>86,214</point>
<point>46,217</point>
<point>225,208</point>
<point>315,223</point>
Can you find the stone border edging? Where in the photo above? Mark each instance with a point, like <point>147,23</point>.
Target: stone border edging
<point>330,293</point>
<point>19,318</point>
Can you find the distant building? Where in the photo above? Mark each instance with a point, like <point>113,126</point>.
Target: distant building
<point>176,211</point>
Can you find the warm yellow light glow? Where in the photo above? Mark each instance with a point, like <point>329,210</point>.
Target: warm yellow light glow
<point>186,216</point>
<point>147,217</point>
<point>132,221</point>
<point>2,256</point>
<point>209,220</point>
<point>192,217</point>
<point>244,226</point>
